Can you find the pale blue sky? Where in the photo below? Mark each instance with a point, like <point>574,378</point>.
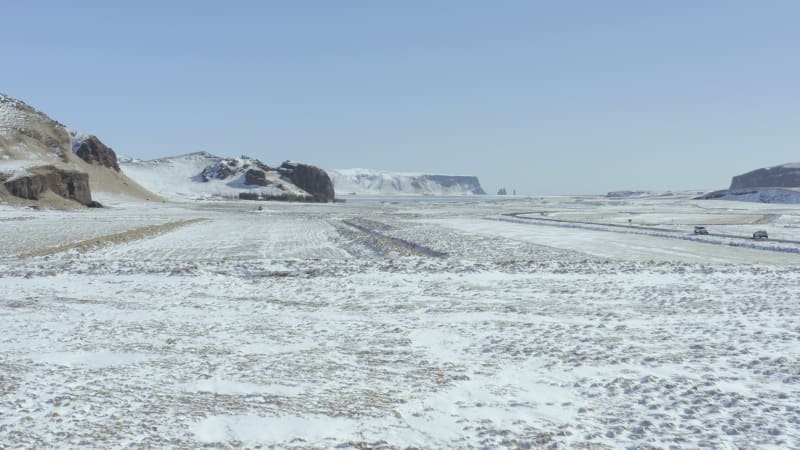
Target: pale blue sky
<point>544,97</point>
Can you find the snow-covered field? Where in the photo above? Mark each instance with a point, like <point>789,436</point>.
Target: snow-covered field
<point>398,324</point>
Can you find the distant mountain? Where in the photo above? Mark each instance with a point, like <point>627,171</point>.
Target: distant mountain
<point>376,182</point>
<point>628,194</point>
<point>782,176</point>
<point>777,184</point>
<point>41,160</point>
<point>202,175</point>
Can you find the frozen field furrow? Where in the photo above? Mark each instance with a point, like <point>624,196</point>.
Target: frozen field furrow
<point>274,329</point>
<point>38,233</point>
<point>245,236</point>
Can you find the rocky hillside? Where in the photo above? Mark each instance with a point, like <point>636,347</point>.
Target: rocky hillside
<point>202,175</point>
<point>39,157</point>
<point>777,184</point>
<point>373,182</point>
<point>783,176</point>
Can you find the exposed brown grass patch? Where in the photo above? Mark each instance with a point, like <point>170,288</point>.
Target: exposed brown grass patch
<point>111,239</point>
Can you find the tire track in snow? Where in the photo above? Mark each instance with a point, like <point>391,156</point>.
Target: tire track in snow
<point>382,243</point>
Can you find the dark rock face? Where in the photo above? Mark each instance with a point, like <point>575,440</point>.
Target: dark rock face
<point>223,169</point>
<point>309,178</point>
<point>787,175</point>
<point>68,184</point>
<point>255,177</point>
<point>95,152</point>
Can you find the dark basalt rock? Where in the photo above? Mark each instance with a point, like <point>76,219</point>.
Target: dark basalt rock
<point>222,170</point>
<point>787,175</point>
<point>255,177</point>
<point>309,178</point>
<point>95,152</point>
<point>68,184</point>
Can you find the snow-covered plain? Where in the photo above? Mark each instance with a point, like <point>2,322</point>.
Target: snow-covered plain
<point>398,324</point>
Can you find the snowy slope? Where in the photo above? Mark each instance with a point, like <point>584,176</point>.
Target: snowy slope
<point>28,137</point>
<point>182,177</point>
<point>376,182</point>
<point>764,195</point>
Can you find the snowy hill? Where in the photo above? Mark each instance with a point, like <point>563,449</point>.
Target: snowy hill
<point>201,175</point>
<point>376,182</point>
<point>31,141</point>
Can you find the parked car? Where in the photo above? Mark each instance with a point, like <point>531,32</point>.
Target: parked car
<point>700,230</point>
<point>760,234</point>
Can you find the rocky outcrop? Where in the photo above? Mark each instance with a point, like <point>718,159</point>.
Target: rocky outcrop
<point>255,177</point>
<point>29,139</point>
<point>258,164</point>
<point>95,152</point>
<point>221,170</point>
<point>786,175</point>
<point>69,184</point>
<point>309,178</point>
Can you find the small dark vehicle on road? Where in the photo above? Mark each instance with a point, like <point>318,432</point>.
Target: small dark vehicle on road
<point>700,230</point>
<point>760,234</point>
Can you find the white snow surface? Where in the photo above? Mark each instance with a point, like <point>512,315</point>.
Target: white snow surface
<point>179,177</point>
<point>379,182</point>
<point>427,324</point>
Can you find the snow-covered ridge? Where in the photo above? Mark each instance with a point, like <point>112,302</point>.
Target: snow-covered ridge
<point>202,175</point>
<point>16,114</point>
<point>628,194</point>
<point>378,182</point>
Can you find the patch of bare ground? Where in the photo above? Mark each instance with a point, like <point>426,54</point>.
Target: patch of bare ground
<point>111,239</point>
